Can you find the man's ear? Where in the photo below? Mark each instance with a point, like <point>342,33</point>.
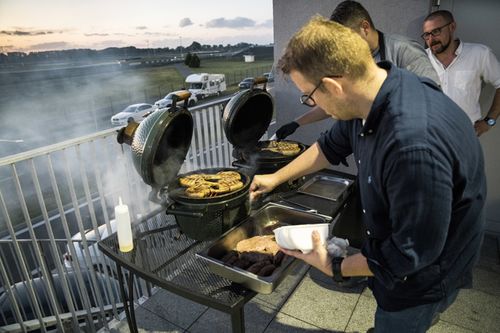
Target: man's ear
<point>365,27</point>
<point>453,26</point>
<point>333,85</point>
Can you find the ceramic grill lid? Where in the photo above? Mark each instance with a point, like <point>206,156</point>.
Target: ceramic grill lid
<point>248,115</point>
<point>159,144</point>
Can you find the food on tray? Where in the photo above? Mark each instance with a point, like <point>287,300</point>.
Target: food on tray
<point>260,244</point>
<point>258,255</point>
<point>204,185</point>
<point>283,147</point>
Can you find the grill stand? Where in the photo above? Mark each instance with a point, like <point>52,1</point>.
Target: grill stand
<point>175,267</point>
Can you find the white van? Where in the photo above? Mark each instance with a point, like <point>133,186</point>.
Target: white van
<point>203,84</point>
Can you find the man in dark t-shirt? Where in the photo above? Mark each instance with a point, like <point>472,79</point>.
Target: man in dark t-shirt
<point>420,168</point>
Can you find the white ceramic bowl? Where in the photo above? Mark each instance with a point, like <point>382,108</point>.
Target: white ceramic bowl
<point>299,237</point>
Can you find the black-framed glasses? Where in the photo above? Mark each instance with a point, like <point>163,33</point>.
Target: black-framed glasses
<point>307,99</point>
<point>434,32</point>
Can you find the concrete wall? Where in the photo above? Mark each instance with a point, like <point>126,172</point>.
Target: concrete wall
<point>476,23</point>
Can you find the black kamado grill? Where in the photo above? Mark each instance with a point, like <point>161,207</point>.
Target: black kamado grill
<point>246,118</point>
<point>159,145</point>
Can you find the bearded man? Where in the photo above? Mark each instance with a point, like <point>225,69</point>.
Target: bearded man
<point>462,67</point>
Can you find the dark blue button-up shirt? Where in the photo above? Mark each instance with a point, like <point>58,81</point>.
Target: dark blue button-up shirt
<point>422,186</point>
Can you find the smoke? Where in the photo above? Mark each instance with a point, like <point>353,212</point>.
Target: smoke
<point>121,179</point>
<point>43,107</point>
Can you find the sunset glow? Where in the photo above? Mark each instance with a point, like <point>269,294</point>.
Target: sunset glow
<point>58,24</point>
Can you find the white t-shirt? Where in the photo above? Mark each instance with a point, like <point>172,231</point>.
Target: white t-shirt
<point>461,80</point>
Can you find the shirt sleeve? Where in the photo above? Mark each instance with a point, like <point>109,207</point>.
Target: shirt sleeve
<point>412,57</point>
<point>419,192</point>
<point>335,143</point>
<point>491,69</point>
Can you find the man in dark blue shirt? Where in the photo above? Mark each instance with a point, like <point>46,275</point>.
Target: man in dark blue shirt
<point>420,168</point>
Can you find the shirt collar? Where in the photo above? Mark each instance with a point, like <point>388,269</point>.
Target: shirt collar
<point>379,103</point>
<point>460,48</point>
<point>458,51</point>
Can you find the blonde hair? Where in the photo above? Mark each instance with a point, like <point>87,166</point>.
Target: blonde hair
<point>323,48</point>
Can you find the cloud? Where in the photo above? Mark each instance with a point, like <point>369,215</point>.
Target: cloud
<point>96,34</point>
<point>266,24</point>
<point>49,46</point>
<point>238,22</point>
<point>142,27</point>
<point>123,34</point>
<point>160,34</point>
<point>6,48</point>
<point>26,33</point>
<point>185,22</point>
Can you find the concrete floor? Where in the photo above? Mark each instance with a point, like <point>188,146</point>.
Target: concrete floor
<point>308,301</point>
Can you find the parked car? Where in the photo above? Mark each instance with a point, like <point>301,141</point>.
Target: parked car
<point>269,76</point>
<point>92,239</point>
<point>246,83</point>
<point>21,294</point>
<point>135,112</point>
<point>167,101</point>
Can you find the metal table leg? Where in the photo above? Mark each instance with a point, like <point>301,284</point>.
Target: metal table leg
<point>128,302</point>
<point>238,320</point>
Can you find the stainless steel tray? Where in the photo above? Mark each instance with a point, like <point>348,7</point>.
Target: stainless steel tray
<point>326,187</point>
<point>262,222</point>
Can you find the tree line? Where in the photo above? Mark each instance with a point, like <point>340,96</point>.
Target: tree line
<point>110,53</point>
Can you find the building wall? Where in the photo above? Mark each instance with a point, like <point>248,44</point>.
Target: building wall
<point>476,23</point>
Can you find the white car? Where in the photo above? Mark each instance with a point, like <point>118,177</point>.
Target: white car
<point>166,101</point>
<point>44,303</point>
<point>96,257</point>
<point>269,76</point>
<point>135,112</point>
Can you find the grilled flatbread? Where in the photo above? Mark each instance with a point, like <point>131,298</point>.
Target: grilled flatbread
<point>260,244</point>
<point>283,147</point>
<point>210,185</point>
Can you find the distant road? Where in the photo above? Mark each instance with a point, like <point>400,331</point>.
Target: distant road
<point>184,70</point>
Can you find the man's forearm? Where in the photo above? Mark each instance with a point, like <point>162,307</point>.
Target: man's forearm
<point>355,265</point>
<point>494,111</point>
<point>314,115</point>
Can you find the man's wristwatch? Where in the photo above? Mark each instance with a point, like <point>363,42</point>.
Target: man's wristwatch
<point>490,121</point>
<point>336,269</point>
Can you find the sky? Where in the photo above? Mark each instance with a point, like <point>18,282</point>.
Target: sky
<point>31,25</point>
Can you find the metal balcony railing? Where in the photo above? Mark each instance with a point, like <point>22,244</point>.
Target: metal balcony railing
<point>56,202</point>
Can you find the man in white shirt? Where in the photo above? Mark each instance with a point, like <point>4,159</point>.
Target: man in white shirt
<point>461,68</point>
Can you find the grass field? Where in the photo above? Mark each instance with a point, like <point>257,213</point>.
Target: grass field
<point>41,109</point>
<point>144,84</point>
<point>168,78</point>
